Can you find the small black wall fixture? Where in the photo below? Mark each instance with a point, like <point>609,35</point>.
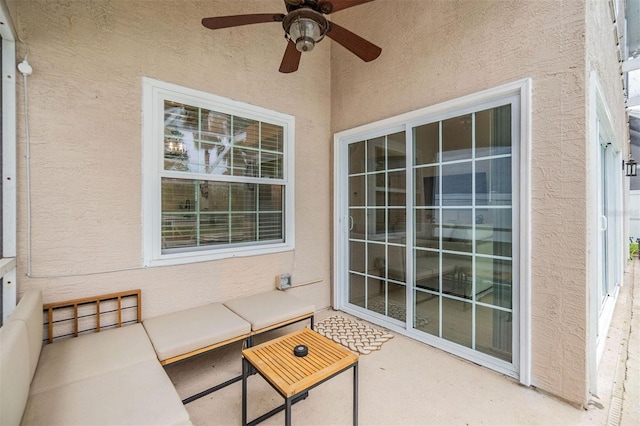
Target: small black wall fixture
<point>630,167</point>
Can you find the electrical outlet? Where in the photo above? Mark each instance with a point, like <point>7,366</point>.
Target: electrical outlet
<point>283,281</point>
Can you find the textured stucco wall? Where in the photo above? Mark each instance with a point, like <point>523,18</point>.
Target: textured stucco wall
<point>89,57</point>
<point>439,50</point>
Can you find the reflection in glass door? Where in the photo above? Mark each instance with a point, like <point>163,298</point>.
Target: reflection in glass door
<point>377,225</point>
<point>462,256</point>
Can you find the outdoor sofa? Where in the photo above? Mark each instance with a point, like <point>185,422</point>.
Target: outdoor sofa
<point>115,377</point>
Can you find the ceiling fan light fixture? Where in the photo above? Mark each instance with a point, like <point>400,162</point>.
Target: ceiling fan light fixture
<point>305,33</point>
<point>305,28</point>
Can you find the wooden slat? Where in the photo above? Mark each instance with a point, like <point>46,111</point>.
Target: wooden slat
<point>290,374</point>
<point>97,316</point>
<point>93,298</point>
<point>203,350</point>
<point>283,323</point>
<point>74,321</point>
<point>50,316</point>
<point>119,311</point>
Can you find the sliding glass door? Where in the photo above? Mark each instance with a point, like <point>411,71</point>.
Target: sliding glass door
<point>429,247</point>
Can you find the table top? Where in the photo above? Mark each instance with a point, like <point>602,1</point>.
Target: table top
<point>290,374</point>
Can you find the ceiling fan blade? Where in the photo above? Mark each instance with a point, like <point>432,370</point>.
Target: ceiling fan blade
<point>338,5</point>
<point>360,47</point>
<point>237,20</point>
<point>291,58</point>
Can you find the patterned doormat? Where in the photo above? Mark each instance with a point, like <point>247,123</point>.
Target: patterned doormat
<point>354,335</point>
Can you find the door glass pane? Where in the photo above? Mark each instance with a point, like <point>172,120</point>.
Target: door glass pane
<point>356,256</point>
<point>426,143</point>
<point>357,289</point>
<point>494,332</point>
<point>427,231</point>
<point>376,155</point>
<point>427,269</point>
<point>493,182</point>
<point>376,189</point>
<point>377,221</point>
<point>397,301</point>
<point>493,131</point>
<point>456,138</point>
<point>457,184</point>
<point>397,222</point>
<point>396,148</point>
<point>427,312</point>
<point>493,279</point>
<point>356,157</point>
<point>356,191</point>
<point>397,188</point>
<point>457,229</point>
<point>427,187</point>
<point>357,224</point>
<point>375,257</point>
<point>456,275</point>
<point>494,232</point>
<point>376,295</point>
<point>396,266</point>
<point>457,321</point>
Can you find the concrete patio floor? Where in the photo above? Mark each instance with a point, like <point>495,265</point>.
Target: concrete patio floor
<point>410,383</point>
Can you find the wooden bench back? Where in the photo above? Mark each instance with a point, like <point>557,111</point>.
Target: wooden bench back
<point>91,314</point>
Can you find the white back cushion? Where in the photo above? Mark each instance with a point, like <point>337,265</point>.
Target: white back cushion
<point>29,311</point>
<point>15,374</point>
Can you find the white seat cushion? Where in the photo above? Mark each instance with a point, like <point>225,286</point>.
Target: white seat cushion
<point>182,332</point>
<point>140,394</point>
<point>266,309</point>
<point>90,355</point>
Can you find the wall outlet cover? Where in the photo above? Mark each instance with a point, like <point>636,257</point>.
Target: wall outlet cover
<point>283,281</point>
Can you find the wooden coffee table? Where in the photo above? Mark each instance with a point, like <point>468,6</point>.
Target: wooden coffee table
<point>291,376</point>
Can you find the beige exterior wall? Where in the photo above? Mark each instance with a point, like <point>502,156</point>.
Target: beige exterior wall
<point>436,51</point>
<point>85,98</point>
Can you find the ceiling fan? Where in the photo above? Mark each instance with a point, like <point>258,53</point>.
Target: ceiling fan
<point>304,26</point>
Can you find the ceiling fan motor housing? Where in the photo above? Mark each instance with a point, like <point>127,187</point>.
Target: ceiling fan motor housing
<point>305,28</point>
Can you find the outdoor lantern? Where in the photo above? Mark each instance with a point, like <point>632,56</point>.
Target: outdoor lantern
<point>305,28</point>
<point>631,167</point>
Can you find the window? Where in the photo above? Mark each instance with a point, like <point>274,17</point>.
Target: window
<point>218,177</point>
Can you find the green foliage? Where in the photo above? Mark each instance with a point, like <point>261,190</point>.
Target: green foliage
<point>633,249</point>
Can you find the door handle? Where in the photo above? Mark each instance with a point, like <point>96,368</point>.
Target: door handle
<point>603,223</point>
<point>350,223</point>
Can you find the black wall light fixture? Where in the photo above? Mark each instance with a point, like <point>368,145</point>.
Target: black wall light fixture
<point>630,167</point>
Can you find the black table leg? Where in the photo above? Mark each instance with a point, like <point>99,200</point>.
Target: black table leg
<point>245,373</point>
<point>287,412</point>
<point>355,394</point>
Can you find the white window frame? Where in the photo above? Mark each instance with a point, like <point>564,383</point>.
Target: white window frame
<point>522,305</point>
<point>9,166</point>
<point>154,93</point>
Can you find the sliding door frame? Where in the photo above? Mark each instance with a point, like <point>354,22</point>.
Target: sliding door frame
<point>522,244</point>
